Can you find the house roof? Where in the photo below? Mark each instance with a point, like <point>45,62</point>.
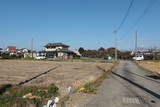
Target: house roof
<point>1,49</point>
<point>56,44</point>
<point>11,47</point>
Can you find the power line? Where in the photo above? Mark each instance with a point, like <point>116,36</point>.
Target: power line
<point>119,27</point>
<point>125,16</point>
<point>146,10</point>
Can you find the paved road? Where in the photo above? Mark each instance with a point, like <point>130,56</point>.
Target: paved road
<point>128,86</point>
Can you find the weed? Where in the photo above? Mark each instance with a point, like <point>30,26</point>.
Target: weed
<point>89,88</point>
<point>14,96</point>
<point>53,89</point>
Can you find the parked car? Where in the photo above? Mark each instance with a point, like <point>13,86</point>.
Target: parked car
<point>138,58</point>
<point>40,57</point>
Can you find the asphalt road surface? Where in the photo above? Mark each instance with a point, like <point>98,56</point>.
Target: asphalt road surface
<point>128,86</point>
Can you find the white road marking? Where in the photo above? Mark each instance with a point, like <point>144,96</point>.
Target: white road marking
<point>137,101</point>
<point>131,100</point>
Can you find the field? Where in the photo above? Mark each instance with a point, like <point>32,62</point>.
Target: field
<point>74,74</point>
<point>153,66</point>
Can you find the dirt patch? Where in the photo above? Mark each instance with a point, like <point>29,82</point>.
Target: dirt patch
<point>74,74</point>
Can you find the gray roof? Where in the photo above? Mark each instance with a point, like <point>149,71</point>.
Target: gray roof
<point>56,44</point>
<point>1,49</point>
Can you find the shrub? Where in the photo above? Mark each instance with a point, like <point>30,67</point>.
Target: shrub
<point>53,89</point>
<point>5,56</point>
<point>14,95</point>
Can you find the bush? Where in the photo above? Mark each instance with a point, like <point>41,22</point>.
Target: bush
<point>43,92</point>
<point>148,57</point>
<point>53,89</point>
<point>6,101</point>
<point>14,95</point>
<point>7,56</point>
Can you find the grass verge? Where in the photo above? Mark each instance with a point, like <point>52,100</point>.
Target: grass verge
<point>150,66</point>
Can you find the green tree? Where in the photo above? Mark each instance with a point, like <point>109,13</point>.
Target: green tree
<point>81,50</point>
<point>101,49</point>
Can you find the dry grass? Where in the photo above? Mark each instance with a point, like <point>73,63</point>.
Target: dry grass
<point>74,74</point>
<point>153,66</point>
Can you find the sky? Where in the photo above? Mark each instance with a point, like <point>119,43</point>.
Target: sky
<point>78,23</point>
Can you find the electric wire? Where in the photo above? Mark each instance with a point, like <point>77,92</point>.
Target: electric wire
<point>125,16</point>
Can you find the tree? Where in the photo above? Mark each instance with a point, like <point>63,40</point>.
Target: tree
<point>91,53</point>
<point>153,53</point>
<point>101,49</point>
<point>111,52</point>
<point>125,55</point>
<point>81,50</point>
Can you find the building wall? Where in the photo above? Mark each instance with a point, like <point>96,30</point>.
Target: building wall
<point>60,54</point>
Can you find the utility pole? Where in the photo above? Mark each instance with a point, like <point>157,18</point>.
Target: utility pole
<point>32,47</point>
<point>115,34</point>
<point>136,42</point>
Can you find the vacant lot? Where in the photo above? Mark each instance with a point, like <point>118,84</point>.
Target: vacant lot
<point>153,66</point>
<point>74,74</point>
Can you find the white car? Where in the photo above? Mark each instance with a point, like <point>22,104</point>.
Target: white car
<point>40,57</point>
<point>138,58</point>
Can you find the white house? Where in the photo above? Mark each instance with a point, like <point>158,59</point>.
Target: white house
<point>1,50</point>
<point>58,51</point>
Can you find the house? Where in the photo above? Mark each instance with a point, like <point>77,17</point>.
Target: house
<point>23,50</point>
<point>58,51</point>
<point>11,50</point>
<point>1,51</point>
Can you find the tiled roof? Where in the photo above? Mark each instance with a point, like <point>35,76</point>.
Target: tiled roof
<point>55,44</point>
